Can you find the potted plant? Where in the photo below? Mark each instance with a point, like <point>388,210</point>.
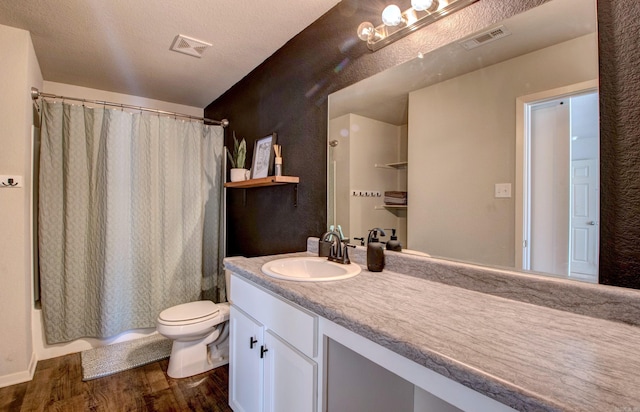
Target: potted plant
<point>237,160</point>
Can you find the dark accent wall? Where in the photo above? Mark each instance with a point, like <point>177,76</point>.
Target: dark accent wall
<point>288,94</point>
<point>619,28</point>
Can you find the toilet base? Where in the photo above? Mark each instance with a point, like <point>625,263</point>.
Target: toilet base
<point>192,358</point>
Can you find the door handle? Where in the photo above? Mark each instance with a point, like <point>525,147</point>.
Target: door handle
<point>252,342</point>
<point>263,350</point>
<point>591,223</point>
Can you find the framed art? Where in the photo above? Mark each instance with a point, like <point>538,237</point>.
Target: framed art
<point>262,164</point>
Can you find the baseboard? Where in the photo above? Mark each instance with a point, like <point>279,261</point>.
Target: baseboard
<point>20,377</point>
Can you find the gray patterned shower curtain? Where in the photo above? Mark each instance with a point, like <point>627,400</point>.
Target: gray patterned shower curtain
<point>129,218</point>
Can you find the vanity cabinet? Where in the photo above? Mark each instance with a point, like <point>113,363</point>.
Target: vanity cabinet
<point>272,349</point>
<point>310,363</point>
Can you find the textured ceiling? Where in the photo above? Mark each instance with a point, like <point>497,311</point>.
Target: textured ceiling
<point>123,46</point>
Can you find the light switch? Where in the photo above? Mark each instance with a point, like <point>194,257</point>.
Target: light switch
<point>503,190</point>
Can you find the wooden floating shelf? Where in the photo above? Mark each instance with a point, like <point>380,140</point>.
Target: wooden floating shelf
<point>263,181</point>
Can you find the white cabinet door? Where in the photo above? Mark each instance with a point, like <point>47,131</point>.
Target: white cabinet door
<point>245,365</point>
<point>290,378</point>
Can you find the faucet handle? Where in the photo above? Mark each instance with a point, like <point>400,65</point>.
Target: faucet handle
<point>345,254</point>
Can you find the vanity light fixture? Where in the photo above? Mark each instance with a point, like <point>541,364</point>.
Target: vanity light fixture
<point>397,24</point>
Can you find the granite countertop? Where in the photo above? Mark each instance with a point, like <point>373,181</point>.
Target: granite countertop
<point>526,356</point>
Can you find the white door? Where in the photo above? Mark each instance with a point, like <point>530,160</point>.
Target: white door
<point>245,365</point>
<point>558,197</point>
<point>584,219</point>
<point>290,378</point>
<point>549,187</point>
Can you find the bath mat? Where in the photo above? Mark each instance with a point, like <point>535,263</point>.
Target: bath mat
<point>107,360</point>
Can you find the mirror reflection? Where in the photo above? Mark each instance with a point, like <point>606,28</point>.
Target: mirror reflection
<point>485,150</point>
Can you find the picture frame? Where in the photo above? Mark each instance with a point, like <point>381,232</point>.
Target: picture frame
<point>262,163</point>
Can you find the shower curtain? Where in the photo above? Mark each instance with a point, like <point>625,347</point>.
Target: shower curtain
<point>129,218</point>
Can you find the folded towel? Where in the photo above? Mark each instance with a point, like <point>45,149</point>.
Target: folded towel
<point>395,198</point>
<point>395,194</point>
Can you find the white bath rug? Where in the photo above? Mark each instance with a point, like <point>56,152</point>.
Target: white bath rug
<point>107,360</point>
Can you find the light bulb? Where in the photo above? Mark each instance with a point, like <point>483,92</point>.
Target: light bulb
<point>421,5</point>
<point>366,31</point>
<point>391,15</point>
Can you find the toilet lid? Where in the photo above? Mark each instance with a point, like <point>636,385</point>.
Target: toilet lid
<point>189,311</point>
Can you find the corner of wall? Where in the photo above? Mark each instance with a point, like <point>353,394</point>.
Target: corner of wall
<point>22,376</point>
<point>20,64</point>
<point>34,79</point>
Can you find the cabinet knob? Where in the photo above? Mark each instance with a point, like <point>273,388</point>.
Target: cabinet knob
<point>263,350</point>
<point>252,342</point>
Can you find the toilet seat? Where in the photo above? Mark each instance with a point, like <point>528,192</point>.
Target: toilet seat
<point>189,313</point>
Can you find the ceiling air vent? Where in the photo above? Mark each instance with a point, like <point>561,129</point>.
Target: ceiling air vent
<point>486,37</point>
<point>188,45</point>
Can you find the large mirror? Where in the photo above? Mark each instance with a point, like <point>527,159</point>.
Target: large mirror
<point>485,150</point>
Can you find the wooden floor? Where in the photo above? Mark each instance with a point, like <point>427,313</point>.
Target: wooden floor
<point>58,386</point>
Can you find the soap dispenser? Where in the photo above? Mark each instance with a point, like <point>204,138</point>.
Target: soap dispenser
<point>375,251</point>
<point>394,244</point>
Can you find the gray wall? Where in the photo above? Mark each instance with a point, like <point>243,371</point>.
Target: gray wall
<point>461,143</point>
<point>288,94</point>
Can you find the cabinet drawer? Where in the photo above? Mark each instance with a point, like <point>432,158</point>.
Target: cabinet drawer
<point>292,323</point>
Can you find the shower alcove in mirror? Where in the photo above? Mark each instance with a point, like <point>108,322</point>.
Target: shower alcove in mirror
<point>500,140</point>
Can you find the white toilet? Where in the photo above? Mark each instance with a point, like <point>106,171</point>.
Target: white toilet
<point>200,332</point>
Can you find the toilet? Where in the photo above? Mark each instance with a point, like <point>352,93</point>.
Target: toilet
<point>200,334</point>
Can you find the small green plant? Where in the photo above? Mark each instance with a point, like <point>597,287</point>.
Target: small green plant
<point>239,155</point>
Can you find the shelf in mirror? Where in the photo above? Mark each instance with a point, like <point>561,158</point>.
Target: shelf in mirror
<point>396,165</point>
<point>383,207</point>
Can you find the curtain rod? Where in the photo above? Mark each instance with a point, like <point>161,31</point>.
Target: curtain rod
<point>35,94</point>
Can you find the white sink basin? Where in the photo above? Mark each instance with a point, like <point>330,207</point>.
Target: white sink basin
<point>309,269</point>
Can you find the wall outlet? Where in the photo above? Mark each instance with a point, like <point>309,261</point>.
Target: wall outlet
<point>10,181</point>
<point>503,190</point>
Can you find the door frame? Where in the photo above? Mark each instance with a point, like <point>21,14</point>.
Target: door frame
<point>523,138</point>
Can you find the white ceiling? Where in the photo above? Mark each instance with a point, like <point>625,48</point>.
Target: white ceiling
<point>123,45</point>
